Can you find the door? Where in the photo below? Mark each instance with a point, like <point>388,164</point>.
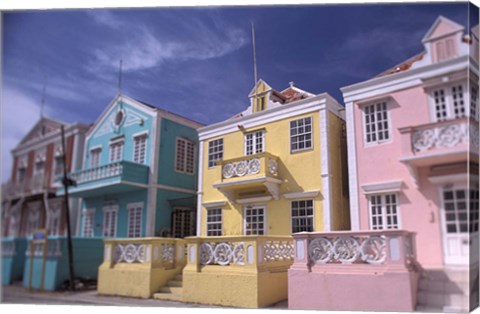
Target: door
<point>459,223</point>
<point>183,222</point>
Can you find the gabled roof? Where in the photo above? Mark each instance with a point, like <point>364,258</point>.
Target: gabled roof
<point>254,89</point>
<point>403,66</point>
<point>293,93</point>
<point>43,127</point>
<point>441,27</point>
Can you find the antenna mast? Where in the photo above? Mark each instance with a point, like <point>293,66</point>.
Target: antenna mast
<point>42,101</point>
<point>254,69</point>
<point>120,77</point>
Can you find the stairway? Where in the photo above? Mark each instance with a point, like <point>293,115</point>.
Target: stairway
<point>172,291</point>
<point>443,290</point>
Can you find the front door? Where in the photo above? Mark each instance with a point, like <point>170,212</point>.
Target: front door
<point>459,216</point>
<point>183,222</point>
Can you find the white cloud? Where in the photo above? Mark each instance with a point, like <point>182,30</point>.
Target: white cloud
<point>19,114</point>
<point>142,48</point>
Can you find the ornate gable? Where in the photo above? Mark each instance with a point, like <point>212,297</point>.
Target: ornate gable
<point>43,127</point>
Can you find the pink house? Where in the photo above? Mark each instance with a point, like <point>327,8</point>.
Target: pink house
<point>413,165</point>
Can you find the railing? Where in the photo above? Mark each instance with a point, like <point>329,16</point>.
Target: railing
<point>445,134</point>
<point>261,252</point>
<point>31,185</point>
<point>54,248</point>
<point>134,171</point>
<point>154,252</point>
<point>259,164</point>
<point>379,247</point>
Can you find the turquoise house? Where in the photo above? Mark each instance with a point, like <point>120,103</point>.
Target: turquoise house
<point>139,173</point>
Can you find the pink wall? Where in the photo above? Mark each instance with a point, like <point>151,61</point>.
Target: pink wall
<point>419,208</point>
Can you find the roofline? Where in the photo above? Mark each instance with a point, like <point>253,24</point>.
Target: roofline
<point>437,21</point>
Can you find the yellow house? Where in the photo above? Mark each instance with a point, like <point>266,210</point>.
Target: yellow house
<point>277,168</point>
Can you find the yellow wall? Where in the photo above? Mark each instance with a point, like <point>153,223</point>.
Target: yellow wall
<point>300,171</point>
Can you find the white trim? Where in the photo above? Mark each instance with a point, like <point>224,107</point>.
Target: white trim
<point>312,137</point>
<point>174,189</point>
<point>314,226</point>
<point>85,213</point>
<point>443,154</point>
<point>352,168</point>
<point>377,132</point>
<point>301,195</point>
<point>254,200</point>
<point>141,133</point>
<point>93,187</point>
<point>325,170</point>
<point>384,210</point>
<point>153,177</point>
<point>247,181</point>
<point>382,187</point>
<point>134,141</point>
<point>117,139</point>
<point>110,208</point>
<point>200,188</point>
<point>185,158</point>
<point>453,178</point>
<point>214,204</point>
<point>457,28</point>
<point>289,111</point>
<point>254,141</point>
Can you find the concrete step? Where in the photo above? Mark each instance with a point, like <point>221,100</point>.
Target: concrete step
<point>428,309</point>
<point>438,299</point>
<point>178,277</point>
<point>174,290</point>
<point>446,275</point>
<point>445,286</point>
<point>175,283</point>
<point>168,296</point>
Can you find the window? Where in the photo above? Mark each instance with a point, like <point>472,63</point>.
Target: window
<point>116,150</point>
<point>254,142</point>
<point>261,103</point>
<point>39,167</point>
<point>214,222</point>
<point>460,218</point>
<point>445,49</point>
<point>95,157</point>
<point>301,134</point>
<point>185,156</point>
<point>58,170</point>
<point>139,149</point>
<point>22,172</point>
<point>474,102</point>
<point>215,152</point>
<point>450,102</point>
<point>254,220</point>
<point>384,212</point>
<point>302,216</point>
<point>54,216</point>
<point>135,220</point>
<point>88,223</point>
<point>376,123</point>
<point>110,221</point>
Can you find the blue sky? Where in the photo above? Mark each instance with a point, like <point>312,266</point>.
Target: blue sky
<point>196,62</point>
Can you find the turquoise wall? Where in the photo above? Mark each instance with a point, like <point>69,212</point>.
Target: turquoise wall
<point>126,130</point>
<point>122,200</point>
<point>166,201</point>
<point>87,257</point>
<point>166,173</point>
<point>12,266</point>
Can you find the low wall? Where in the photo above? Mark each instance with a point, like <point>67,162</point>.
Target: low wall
<point>13,259</point>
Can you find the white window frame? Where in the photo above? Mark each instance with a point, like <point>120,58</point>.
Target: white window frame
<point>449,102</point>
<point>88,227</point>
<point>115,154</point>
<point>456,187</point>
<point>54,218</point>
<point>377,141</point>
<point>139,155</point>
<point>384,215</point>
<point>186,163</point>
<point>245,223</point>
<point>134,228</point>
<point>257,136</point>
<point>211,161</point>
<point>292,217</point>
<point>301,134</point>
<point>97,152</point>
<point>109,210</point>
<point>210,223</point>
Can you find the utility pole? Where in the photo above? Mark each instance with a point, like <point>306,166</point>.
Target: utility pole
<point>66,183</point>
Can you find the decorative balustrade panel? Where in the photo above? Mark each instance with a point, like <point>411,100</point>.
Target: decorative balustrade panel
<point>222,253</point>
<point>129,253</point>
<point>348,250</point>
<point>444,136</point>
<point>98,173</point>
<point>248,167</point>
<point>54,248</point>
<point>277,251</point>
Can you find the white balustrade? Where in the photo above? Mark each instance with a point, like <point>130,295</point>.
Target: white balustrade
<point>249,166</point>
<point>444,135</point>
<point>98,173</point>
<point>222,253</point>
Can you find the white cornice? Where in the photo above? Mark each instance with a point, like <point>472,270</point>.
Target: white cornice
<point>214,204</point>
<point>299,195</point>
<point>317,103</point>
<point>382,187</point>
<point>387,84</point>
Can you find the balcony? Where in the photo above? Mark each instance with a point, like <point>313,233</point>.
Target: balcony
<point>116,177</point>
<point>27,187</point>
<point>436,143</point>
<point>250,177</point>
<point>358,264</point>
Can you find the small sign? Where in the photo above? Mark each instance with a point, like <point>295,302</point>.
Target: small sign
<point>40,235</point>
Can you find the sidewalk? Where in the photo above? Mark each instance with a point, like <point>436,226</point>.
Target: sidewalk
<point>17,294</point>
